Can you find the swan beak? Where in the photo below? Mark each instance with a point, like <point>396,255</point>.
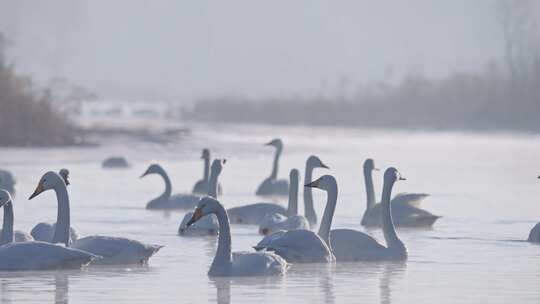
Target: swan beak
<point>376,169</point>
<point>324,166</point>
<point>38,190</point>
<point>269,143</point>
<point>145,173</point>
<point>196,216</point>
<point>402,178</point>
<point>313,184</point>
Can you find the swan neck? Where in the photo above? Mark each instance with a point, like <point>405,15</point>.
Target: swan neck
<point>308,198</point>
<point>206,169</point>
<point>213,184</point>
<point>7,226</point>
<point>223,253</point>
<point>292,209</point>
<point>276,163</point>
<point>61,233</point>
<point>389,230</point>
<point>326,222</point>
<point>370,190</point>
<point>168,188</point>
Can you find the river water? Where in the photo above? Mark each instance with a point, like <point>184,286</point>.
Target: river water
<point>484,186</point>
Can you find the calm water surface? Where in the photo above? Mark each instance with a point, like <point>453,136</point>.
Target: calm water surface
<point>485,186</point>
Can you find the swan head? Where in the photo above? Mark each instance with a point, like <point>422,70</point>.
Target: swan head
<point>369,165</point>
<point>205,206</point>
<point>152,169</point>
<point>392,175</point>
<point>5,197</point>
<point>217,165</point>
<point>276,142</point>
<point>48,181</point>
<point>205,154</point>
<point>293,175</point>
<point>64,173</point>
<point>315,162</point>
<point>325,182</point>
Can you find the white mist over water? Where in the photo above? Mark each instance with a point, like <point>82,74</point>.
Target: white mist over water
<point>484,186</point>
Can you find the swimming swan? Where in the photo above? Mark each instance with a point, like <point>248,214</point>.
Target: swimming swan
<point>7,181</point>
<point>237,263</point>
<point>201,187</point>
<point>37,255</point>
<point>272,185</point>
<point>113,250</point>
<point>534,235</point>
<point>276,221</point>
<point>115,162</point>
<point>45,231</point>
<point>207,225</point>
<point>304,246</point>
<point>404,211</point>
<point>7,234</point>
<point>311,163</point>
<point>353,245</point>
<point>166,200</point>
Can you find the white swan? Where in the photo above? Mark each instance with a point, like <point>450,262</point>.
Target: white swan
<point>237,263</point>
<point>253,214</point>
<point>404,211</point>
<point>207,225</point>
<point>304,246</point>
<point>7,234</point>
<point>113,250</point>
<point>115,162</point>
<point>272,185</point>
<point>7,181</point>
<point>45,231</point>
<point>201,186</point>
<point>353,245</point>
<point>38,255</point>
<point>534,235</point>
<point>275,222</point>
<point>311,163</point>
<point>166,200</point>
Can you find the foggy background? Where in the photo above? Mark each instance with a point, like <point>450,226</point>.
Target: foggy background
<point>184,50</point>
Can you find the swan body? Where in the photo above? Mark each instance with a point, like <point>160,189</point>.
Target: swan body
<point>201,186</point>
<point>405,213</point>
<point>115,162</point>
<point>113,250</point>
<point>116,250</point>
<point>7,234</point>
<point>7,181</point>
<point>253,214</point>
<point>34,255</point>
<point>166,200</point>
<point>304,246</point>
<point>311,163</point>
<point>534,235</point>
<point>272,185</point>
<point>20,236</point>
<point>227,263</point>
<point>277,221</point>
<point>351,245</point>
<point>207,225</point>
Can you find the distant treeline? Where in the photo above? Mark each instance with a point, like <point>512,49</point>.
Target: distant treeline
<point>27,117</point>
<point>491,100</point>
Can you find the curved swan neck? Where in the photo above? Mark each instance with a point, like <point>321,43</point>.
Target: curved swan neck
<point>168,188</point>
<point>326,222</point>
<point>61,233</point>
<point>308,197</point>
<point>370,190</point>
<point>389,230</point>
<point>292,208</point>
<point>213,184</point>
<point>223,253</point>
<point>276,163</point>
<point>206,170</point>
<point>7,226</point>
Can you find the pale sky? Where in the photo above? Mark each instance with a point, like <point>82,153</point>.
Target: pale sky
<point>184,50</point>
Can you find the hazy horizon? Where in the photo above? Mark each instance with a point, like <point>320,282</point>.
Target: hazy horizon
<point>183,51</point>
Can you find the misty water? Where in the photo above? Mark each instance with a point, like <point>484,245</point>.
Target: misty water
<point>484,186</point>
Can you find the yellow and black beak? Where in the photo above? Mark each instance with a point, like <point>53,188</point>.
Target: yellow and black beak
<point>38,190</point>
<point>402,178</point>
<point>196,216</point>
<point>324,166</point>
<point>313,184</point>
<point>145,173</point>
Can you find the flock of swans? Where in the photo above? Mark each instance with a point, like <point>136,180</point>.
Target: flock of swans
<point>287,237</point>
